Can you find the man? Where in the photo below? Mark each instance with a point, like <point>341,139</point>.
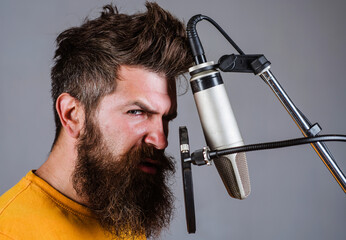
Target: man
<point>114,93</point>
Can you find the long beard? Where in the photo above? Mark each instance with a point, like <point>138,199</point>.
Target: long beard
<point>127,201</point>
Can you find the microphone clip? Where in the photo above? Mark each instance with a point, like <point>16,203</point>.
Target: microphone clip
<point>201,157</point>
<point>255,63</point>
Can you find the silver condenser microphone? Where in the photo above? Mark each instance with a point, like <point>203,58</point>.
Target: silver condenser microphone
<point>220,127</point>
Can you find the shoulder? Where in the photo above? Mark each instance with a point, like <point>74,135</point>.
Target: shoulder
<point>27,210</point>
<point>12,207</point>
<point>33,209</point>
<point>12,196</point>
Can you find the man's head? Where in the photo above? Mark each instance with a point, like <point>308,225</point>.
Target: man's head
<point>88,57</point>
<point>121,71</point>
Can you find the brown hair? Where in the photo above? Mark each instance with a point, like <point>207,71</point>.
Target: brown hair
<point>87,57</point>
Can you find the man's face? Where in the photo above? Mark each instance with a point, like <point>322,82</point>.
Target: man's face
<point>137,112</point>
<point>121,169</point>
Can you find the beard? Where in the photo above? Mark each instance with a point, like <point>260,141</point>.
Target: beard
<point>127,201</point>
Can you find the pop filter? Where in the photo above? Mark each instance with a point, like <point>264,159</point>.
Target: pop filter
<point>187,180</point>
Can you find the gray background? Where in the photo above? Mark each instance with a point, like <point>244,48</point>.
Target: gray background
<point>293,194</point>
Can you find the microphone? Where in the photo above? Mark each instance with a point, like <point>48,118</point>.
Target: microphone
<point>220,127</point>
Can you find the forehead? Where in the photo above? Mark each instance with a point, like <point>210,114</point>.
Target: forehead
<point>135,83</point>
<point>141,79</point>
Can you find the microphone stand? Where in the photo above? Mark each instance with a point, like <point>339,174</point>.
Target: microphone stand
<point>260,66</point>
<point>305,127</point>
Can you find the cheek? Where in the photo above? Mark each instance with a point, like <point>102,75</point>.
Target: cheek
<point>123,136</point>
<point>133,128</point>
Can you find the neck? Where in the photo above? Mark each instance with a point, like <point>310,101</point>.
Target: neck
<point>57,170</point>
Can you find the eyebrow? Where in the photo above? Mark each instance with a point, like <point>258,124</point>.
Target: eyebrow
<point>149,110</point>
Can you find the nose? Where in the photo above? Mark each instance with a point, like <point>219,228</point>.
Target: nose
<point>157,135</point>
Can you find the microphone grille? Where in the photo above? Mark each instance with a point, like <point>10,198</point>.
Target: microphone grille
<point>240,159</point>
<point>231,167</point>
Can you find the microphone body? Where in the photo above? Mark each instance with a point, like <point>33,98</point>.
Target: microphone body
<point>220,127</point>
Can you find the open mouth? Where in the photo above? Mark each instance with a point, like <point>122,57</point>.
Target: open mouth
<point>149,166</point>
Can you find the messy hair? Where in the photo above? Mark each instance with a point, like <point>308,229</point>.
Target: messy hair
<point>88,57</point>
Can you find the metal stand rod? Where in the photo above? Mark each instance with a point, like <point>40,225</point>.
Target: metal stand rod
<point>305,127</point>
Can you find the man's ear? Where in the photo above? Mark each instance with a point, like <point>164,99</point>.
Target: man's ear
<point>71,114</point>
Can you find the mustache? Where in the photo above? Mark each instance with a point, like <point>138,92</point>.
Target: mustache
<point>149,154</point>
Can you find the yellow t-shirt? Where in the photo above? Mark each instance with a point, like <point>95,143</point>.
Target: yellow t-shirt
<point>33,209</point>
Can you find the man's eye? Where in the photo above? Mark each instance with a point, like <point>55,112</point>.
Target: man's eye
<point>135,112</point>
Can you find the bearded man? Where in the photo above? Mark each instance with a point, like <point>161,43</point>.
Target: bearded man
<point>114,93</point>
